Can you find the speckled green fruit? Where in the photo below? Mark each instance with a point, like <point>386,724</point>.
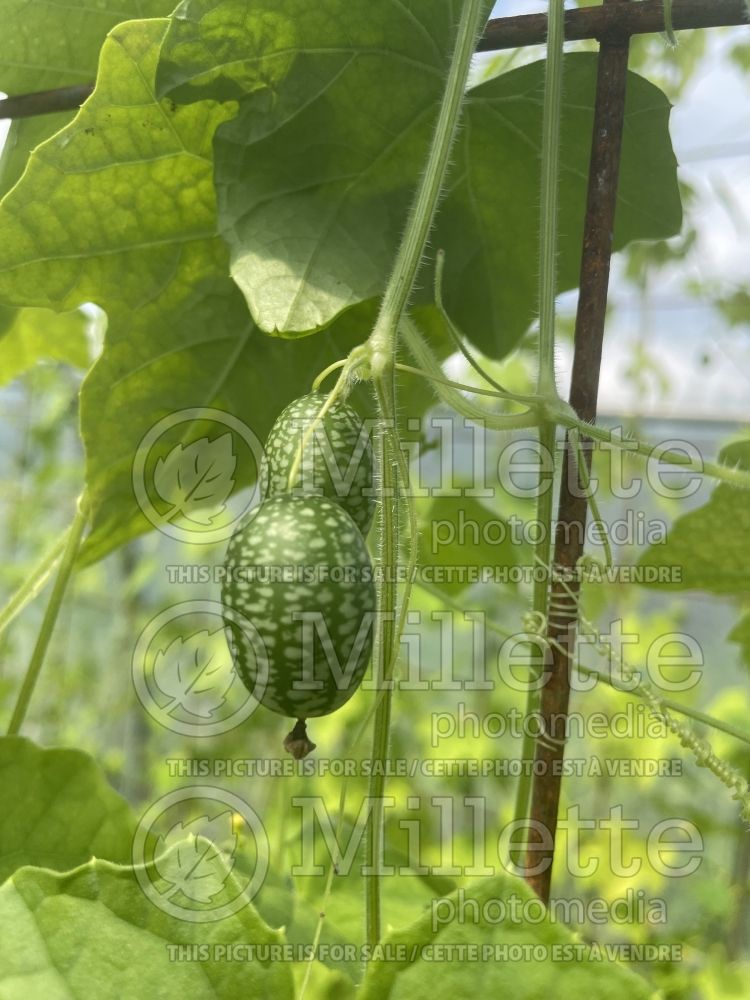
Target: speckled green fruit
<point>337,462</point>
<point>298,571</point>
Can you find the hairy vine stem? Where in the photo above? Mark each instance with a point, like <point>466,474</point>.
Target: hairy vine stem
<point>546,385</point>
<point>64,574</point>
<point>384,661</point>
<point>553,409</point>
<point>409,255</point>
<point>34,582</point>
<point>381,350</point>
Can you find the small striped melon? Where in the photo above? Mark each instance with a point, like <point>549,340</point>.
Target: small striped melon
<point>337,462</point>
<point>299,573</point>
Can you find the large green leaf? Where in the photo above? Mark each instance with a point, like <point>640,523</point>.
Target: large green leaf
<point>59,809</point>
<point>111,208</point>
<point>118,208</point>
<point>316,173</point>
<point>461,948</point>
<point>93,933</point>
<point>489,221</point>
<point>709,548</point>
<point>46,46</point>
<point>136,234</point>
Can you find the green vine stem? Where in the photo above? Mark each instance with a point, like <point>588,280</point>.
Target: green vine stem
<point>542,550</point>
<point>333,868</point>
<point>380,349</point>
<point>408,515</point>
<point>430,369</point>
<point>383,661</point>
<point>391,621</point>
<point>550,176</point>
<point>409,256</point>
<point>50,616</point>
<point>553,409</point>
<point>34,582</point>
<point>583,472</point>
<point>732,475</point>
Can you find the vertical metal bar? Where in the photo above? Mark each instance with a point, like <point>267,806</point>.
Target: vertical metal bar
<point>572,509</point>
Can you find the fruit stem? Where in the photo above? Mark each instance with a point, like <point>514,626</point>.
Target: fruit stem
<point>326,372</point>
<point>310,430</point>
<point>50,616</point>
<point>356,360</point>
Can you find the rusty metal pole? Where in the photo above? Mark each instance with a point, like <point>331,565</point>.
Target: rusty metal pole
<point>572,508</point>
